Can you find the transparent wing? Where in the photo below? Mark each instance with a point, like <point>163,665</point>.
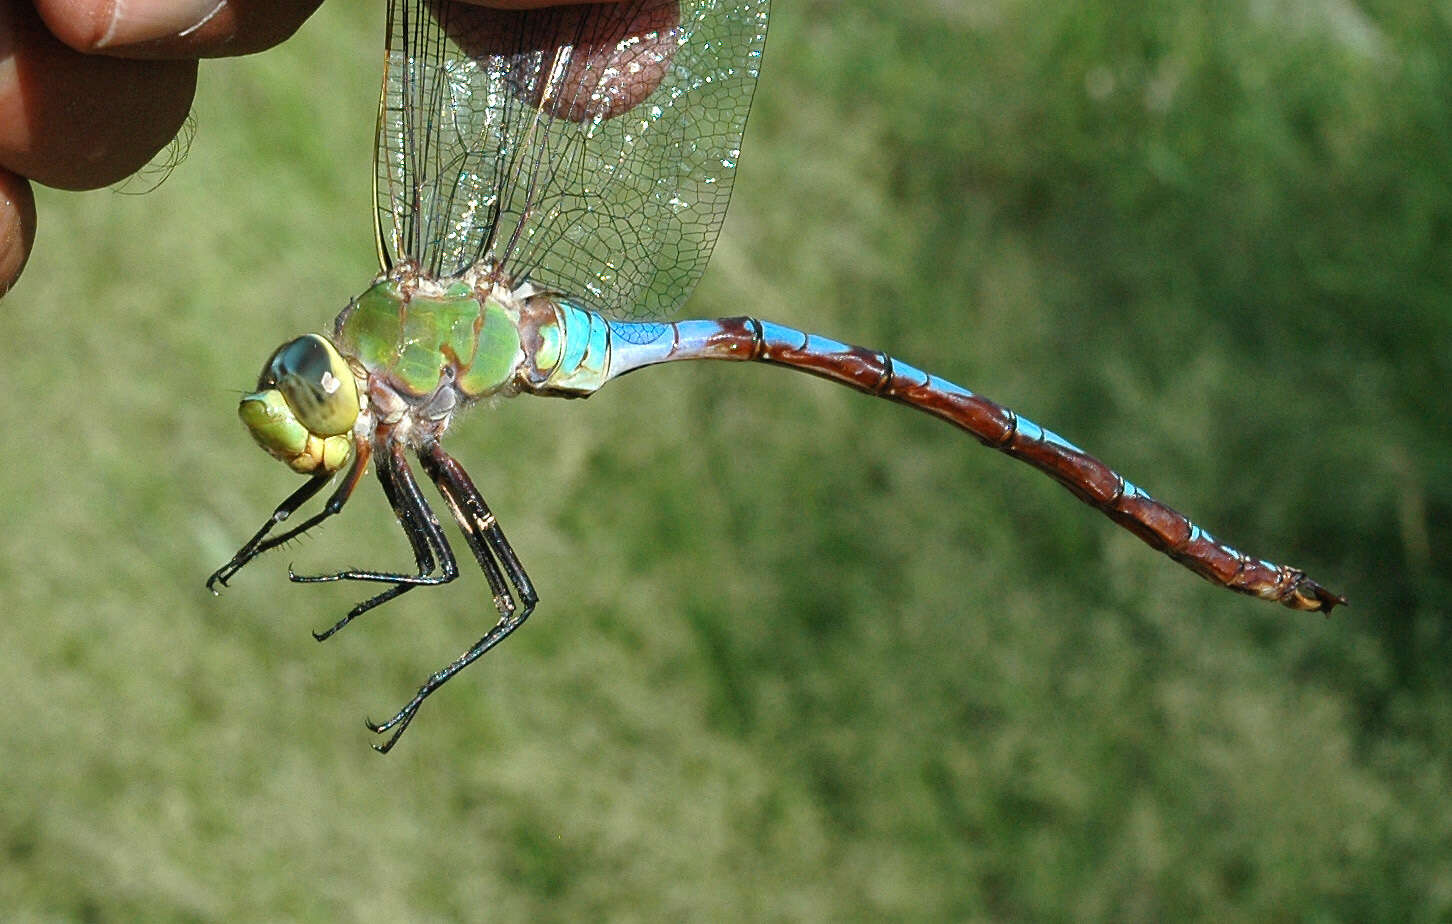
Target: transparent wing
<point>587,148</point>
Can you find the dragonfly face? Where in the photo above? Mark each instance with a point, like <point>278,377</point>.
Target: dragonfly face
<point>304,407</point>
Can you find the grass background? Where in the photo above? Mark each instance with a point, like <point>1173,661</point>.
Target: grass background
<point>801,655</point>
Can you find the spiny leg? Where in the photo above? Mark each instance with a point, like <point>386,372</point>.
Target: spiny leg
<point>417,538</point>
<point>420,526</point>
<point>454,483</point>
<point>486,540</point>
<point>259,543</point>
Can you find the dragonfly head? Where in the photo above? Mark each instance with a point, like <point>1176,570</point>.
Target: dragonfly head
<point>304,407</point>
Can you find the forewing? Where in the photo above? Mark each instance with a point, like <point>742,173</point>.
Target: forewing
<point>587,148</point>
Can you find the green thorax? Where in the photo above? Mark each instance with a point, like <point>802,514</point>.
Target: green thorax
<point>412,333</point>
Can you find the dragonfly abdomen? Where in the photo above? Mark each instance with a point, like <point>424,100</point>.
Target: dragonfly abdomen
<point>877,373</point>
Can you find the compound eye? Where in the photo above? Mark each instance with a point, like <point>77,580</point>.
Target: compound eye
<point>316,383</point>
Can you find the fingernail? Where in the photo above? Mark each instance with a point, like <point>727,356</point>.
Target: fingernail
<point>17,227</point>
<point>135,22</point>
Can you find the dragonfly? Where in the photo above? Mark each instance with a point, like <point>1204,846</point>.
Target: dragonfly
<point>549,187</point>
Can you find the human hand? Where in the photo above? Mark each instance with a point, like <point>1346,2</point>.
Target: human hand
<point>91,90</point>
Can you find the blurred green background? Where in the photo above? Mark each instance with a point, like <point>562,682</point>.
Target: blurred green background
<point>801,655</point>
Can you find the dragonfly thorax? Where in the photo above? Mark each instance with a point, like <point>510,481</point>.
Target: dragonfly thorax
<point>418,336</point>
<point>421,348</point>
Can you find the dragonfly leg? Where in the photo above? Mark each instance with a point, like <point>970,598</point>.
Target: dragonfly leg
<point>496,557</point>
<point>260,543</point>
<point>475,519</point>
<point>420,526</point>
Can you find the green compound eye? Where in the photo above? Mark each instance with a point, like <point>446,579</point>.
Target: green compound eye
<point>305,406</point>
<point>316,383</point>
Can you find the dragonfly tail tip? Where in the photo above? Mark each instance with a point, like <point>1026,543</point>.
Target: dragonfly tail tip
<point>1311,597</point>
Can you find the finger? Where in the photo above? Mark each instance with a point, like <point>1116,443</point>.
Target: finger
<point>79,121</point>
<point>192,28</point>
<point>530,4</point>
<point>17,227</point>
<point>174,28</point>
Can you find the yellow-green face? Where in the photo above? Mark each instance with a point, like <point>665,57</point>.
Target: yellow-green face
<point>305,406</point>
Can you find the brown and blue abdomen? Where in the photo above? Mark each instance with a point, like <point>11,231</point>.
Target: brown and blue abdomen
<point>412,337</point>
<point>874,372</point>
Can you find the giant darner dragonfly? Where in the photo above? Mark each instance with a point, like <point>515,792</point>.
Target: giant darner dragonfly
<point>549,186</point>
